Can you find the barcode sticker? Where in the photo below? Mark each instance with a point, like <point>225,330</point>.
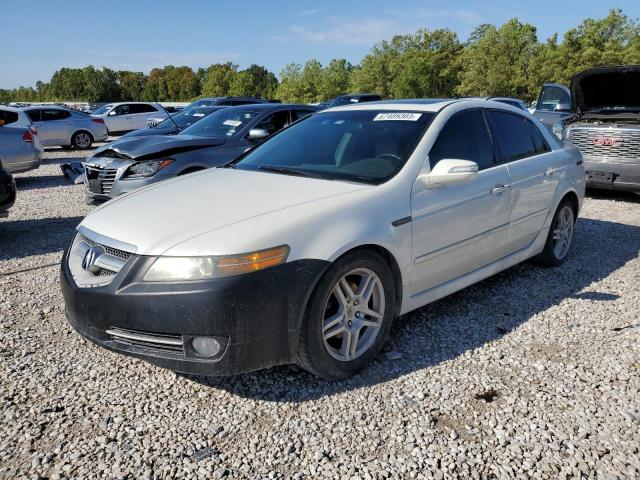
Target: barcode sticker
<point>403,116</point>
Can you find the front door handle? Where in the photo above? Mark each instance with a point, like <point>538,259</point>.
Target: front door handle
<point>550,171</point>
<point>498,189</point>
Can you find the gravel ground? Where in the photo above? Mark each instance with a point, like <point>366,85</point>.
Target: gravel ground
<point>534,373</point>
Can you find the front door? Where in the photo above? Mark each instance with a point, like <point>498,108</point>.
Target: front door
<point>457,229</point>
<point>120,119</point>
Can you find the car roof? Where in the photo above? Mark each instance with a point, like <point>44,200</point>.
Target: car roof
<point>420,104</point>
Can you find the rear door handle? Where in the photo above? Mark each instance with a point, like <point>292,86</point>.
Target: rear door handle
<point>498,189</point>
<point>551,171</point>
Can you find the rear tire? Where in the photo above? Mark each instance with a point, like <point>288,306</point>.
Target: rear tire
<point>558,244</point>
<point>81,140</point>
<point>348,316</point>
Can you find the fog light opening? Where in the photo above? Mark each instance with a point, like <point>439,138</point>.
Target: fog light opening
<point>206,346</point>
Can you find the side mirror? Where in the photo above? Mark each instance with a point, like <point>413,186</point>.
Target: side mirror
<point>112,113</point>
<point>258,134</point>
<point>449,172</point>
<point>1,123</point>
<point>562,107</point>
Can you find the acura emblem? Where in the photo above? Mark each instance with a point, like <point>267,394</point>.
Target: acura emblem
<point>90,258</point>
<point>608,141</point>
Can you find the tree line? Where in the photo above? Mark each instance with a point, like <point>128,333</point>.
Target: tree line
<point>508,60</point>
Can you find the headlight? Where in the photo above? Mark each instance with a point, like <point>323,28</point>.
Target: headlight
<point>557,130</point>
<point>147,168</point>
<point>169,269</point>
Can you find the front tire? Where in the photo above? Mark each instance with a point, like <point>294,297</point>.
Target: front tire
<point>558,244</point>
<point>81,140</point>
<point>348,316</point>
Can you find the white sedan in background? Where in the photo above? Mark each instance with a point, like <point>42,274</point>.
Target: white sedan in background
<point>306,248</point>
<point>125,117</point>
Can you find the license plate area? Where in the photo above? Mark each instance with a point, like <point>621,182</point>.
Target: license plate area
<point>600,177</point>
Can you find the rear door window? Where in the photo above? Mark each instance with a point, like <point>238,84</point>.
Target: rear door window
<point>141,108</point>
<point>49,115</point>
<point>539,141</point>
<point>8,117</point>
<point>512,135</point>
<point>298,114</point>
<point>464,137</point>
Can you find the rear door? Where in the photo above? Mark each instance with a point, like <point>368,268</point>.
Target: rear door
<point>533,173</point>
<point>53,125</point>
<point>459,228</point>
<point>554,104</point>
<point>139,113</point>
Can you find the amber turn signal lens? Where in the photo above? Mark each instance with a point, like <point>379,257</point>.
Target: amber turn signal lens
<point>253,261</point>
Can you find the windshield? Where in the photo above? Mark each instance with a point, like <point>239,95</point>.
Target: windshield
<point>344,101</point>
<point>102,110</point>
<point>367,146</point>
<point>186,118</point>
<point>226,122</point>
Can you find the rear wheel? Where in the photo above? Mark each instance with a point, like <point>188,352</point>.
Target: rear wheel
<point>559,237</point>
<point>81,140</point>
<point>348,317</point>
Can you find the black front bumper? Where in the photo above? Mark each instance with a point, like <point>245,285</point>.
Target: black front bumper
<point>255,317</point>
<point>612,176</point>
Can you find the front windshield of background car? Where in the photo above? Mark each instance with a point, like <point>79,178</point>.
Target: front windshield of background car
<point>185,118</point>
<point>209,102</point>
<point>367,146</point>
<point>102,110</point>
<point>223,123</point>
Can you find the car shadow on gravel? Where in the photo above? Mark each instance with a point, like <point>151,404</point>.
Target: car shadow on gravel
<point>42,181</point>
<point>463,321</point>
<point>61,160</point>
<point>614,195</point>
<point>23,238</point>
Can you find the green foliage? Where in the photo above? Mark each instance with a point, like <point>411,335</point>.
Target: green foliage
<point>507,60</point>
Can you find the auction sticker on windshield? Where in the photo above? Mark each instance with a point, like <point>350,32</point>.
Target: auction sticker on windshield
<point>232,123</point>
<point>406,116</point>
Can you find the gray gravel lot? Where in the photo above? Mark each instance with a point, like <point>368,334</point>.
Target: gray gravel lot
<point>534,373</point>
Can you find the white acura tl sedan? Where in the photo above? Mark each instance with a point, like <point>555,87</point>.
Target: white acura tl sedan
<point>307,247</point>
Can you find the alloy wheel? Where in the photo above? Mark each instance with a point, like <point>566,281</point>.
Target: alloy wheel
<point>353,314</point>
<point>563,232</point>
<point>82,140</point>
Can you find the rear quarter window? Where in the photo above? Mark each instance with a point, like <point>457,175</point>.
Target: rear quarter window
<point>8,117</point>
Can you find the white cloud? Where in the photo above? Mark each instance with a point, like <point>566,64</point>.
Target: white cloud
<point>307,13</point>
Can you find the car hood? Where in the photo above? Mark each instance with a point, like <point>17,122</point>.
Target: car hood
<point>148,132</point>
<point>140,148</point>
<point>163,215</point>
<point>606,87</point>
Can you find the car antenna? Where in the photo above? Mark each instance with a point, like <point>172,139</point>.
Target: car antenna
<point>172,120</point>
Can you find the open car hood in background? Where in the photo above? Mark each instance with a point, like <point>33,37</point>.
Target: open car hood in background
<point>141,148</point>
<point>606,87</point>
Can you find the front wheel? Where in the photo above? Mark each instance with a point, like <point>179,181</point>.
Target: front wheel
<point>559,237</point>
<point>348,317</point>
<point>81,140</point>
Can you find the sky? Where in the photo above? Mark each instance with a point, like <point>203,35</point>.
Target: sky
<point>42,36</point>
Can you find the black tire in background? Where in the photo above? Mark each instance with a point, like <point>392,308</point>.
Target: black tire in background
<point>315,354</point>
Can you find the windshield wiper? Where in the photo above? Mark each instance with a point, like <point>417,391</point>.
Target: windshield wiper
<point>283,170</point>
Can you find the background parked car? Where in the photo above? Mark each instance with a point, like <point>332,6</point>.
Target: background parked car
<point>126,116</point>
<point>605,126</point>
<point>208,102</point>
<point>58,126</point>
<point>175,124</point>
<point>350,99</point>
<point>20,149</point>
<point>7,191</point>
<point>220,137</point>
<point>553,104</point>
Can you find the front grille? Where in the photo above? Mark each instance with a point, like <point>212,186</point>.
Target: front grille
<point>114,252</point>
<point>107,264</point>
<point>100,180</point>
<point>607,143</point>
<point>156,341</point>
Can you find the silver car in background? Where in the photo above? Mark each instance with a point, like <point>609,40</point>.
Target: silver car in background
<point>20,149</point>
<point>59,126</point>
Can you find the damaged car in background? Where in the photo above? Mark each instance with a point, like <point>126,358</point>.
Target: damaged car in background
<point>605,126</point>
<point>217,139</point>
